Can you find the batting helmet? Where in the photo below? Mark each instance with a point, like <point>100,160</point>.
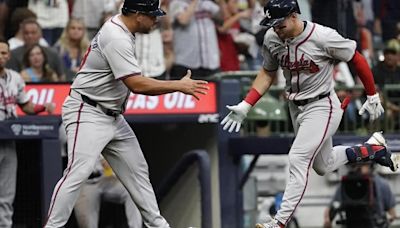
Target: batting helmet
<point>276,10</point>
<point>151,7</point>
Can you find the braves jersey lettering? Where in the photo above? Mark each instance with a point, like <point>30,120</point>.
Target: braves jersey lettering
<point>307,65</point>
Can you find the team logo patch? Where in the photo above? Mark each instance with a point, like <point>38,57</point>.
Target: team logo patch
<point>16,128</point>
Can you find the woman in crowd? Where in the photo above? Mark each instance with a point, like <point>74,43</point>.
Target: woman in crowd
<point>72,46</point>
<point>36,67</point>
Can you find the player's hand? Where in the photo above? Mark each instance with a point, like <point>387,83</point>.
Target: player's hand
<point>373,106</point>
<point>193,87</point>
<point>236,116</point>
<point>49,107</point>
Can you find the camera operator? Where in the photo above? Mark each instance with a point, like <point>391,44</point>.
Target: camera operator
<point>381,209</point>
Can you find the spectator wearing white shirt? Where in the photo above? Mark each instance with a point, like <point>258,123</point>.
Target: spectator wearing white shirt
<point>52,16</point>
<point>92,11</point>
<point>18,16</point>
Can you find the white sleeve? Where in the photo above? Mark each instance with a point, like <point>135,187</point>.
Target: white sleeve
<point>338,47</point>
<point>209,6</point>
<point>22,97</point>
<point>120,55</point>
<point>175,8</point>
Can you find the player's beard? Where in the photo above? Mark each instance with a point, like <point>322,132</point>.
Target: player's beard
<point>146,29</point>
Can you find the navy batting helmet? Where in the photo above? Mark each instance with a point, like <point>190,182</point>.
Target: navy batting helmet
<point>276,10</point>
<point>151,7</point>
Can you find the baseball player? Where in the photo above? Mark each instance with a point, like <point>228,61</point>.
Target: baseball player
<point>306,52</point>
<point>11,94</point>
<point>92,112</point>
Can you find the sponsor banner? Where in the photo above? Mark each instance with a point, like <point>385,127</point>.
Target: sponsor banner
<point>173,103</point>
<point>20,129</point>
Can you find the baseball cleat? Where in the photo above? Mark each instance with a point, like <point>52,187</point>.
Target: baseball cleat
<point>377,139</point>
<point>271,223</point>
<point>384,157</point>
<point>395,158</point>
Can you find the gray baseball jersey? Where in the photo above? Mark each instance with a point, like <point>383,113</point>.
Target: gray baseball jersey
<point>11,93</point>
<point>111,56</point>
<point>307,59</point>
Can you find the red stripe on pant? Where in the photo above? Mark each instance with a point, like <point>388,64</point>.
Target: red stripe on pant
<point>312,158</point>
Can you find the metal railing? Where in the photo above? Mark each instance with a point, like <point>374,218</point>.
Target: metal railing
<point>202,159</point>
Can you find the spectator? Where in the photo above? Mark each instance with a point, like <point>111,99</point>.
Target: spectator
<point>365,36</point>
<point>3,16</point>
<point>150,54</point>
<point>384,200</point>
<point>11,5</point>
<point>388,71</point>
<point>52,17</point>
<point>167,35</point>
<point>369,15</point>
<point>387,17</point>
<point>91,12</point>
<point>72,46</point>
<point>11,94</point>
<point>195,38</point>
<point>36,66</point>
<point>337,14</point>
<point>19,15</point>
<point>229,53</point>
<point>32,33</point>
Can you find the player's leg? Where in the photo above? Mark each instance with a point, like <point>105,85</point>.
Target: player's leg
<point>87,206</point>
<point>316,124</point>
<point>86,140</point>
<point>115,191</point>
<point>375,149</point>
<point>126,159</point>
<point>329,158</point>
<point>8,179</point>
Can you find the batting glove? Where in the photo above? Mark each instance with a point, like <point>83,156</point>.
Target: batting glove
<point>373,106</point>
<point>236,116</point>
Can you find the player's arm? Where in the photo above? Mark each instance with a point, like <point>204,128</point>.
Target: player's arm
<point>373,103</point>
<point>33,109</point>
<point>238,112</point>
<point>260,85</point>
<point>184,17</point>
<point>150,86</point>
<point>364,73</point>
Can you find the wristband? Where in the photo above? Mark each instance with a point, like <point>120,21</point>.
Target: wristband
<point>38,108</point>
<point>252,97</point>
